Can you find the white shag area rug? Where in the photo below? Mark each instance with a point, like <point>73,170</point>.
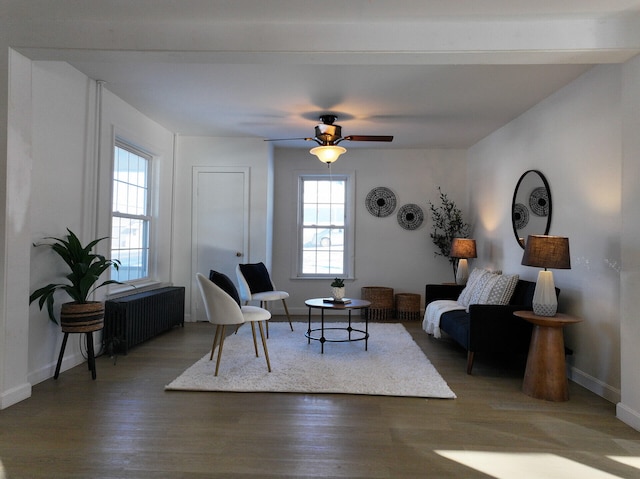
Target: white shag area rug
<point>394,365</point>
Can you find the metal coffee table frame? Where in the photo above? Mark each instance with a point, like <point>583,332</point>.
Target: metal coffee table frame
<point>319,303</point>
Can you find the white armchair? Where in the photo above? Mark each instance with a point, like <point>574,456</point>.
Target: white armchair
<point>255,284</point>
<point>222,310</point>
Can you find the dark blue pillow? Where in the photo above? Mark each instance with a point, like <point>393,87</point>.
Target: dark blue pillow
<point>222,281</point>
<point>257,277</point>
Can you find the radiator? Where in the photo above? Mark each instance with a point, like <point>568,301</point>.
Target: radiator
<point>132,319</point>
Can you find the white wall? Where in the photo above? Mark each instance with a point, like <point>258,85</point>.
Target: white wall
<point>629,407</point>
<point>62,157</point>
<point>574,138</point>
<point>386,254</point>
<point>192,152</point>
<point>15,188</point>
<point>71,184</point>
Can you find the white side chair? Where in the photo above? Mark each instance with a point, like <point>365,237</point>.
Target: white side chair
<point>255,284</point>
<point>222,310</point>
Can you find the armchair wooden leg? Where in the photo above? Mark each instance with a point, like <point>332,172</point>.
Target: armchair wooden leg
<point>264,346</point>
<point>216,337</point>
<point>263,304</point>
<point>255,343</point>
<point>220,349</point>
<point>286,310</point>
<point>469,361</point>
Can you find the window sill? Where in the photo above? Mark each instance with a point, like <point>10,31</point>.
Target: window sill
<point>319,278</point>
<point>132,288</point>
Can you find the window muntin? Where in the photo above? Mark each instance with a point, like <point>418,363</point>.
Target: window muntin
<point>323,239</point>
<point>130,213</point>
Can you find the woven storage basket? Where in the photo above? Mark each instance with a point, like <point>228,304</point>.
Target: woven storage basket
<point>407,306</point>
<point>381,299</point>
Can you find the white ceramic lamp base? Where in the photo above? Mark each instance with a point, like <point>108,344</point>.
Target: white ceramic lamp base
<point>462,273</point>
<point>545,301</point>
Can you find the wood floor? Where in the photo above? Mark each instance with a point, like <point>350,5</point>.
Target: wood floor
<point>124,425</point>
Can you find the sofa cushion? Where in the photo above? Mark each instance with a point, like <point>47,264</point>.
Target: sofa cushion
<point>503,289</point>
<point>465,296</point>
<point>523,294</point>
<point>456,325</point>
<point>485,287</point>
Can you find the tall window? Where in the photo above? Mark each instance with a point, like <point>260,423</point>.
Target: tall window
<point>324,232</point>
<point>131,213</point>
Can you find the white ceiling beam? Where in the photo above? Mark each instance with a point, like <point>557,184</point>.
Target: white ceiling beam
<point>503,41</point>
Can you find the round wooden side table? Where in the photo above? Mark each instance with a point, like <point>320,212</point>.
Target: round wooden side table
<point>545,376</point>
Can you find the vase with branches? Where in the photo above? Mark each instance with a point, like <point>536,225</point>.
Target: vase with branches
<point>447,223</point>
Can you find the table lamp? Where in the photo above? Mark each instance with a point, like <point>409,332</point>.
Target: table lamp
<point>463,248</point>
<point>546,252</point>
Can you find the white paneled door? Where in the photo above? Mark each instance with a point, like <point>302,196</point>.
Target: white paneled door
<point>220,223</point>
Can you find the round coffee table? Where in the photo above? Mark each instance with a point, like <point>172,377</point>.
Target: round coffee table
<point>322,304</point>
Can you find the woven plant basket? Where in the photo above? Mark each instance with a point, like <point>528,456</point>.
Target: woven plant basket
<point>381,299</point>
<point>82,317</point>
<point>407,306</point>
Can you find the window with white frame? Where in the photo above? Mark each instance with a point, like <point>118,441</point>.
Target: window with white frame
<point>324,226</point>
<point>130,219</point>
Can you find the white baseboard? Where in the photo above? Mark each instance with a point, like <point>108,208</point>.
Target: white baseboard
<point>628,416</point>
<point>15,395</point>
<point>48,371</point>
<point>594,385</point>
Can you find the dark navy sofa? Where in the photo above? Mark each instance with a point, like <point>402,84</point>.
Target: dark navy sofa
<point>486,328</point>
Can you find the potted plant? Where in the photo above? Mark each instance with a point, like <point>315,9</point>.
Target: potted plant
<point>86,267</point>
<point>337,289</point>
<point>447,223</point>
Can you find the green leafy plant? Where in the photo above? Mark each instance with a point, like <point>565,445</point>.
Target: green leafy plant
<point>85,270</point>
<point>337,283</point>
<point>447,223</point>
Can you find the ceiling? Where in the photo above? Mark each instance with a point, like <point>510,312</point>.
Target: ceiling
<point>434,74</point>
<point>424,106</point>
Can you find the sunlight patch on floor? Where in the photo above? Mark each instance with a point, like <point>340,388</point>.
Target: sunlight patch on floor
<point>525,465</point>
<point>633,461</point>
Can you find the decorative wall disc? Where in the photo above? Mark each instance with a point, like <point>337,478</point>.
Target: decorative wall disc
<point>520,216</point>
<point>381,201</point>
<point>539,201</point>
<point>410,216</point>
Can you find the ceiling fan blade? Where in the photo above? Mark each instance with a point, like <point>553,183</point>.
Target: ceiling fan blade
<point>288,139</point>
<point>368,138</point>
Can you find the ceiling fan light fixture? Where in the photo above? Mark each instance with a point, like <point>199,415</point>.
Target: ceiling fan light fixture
<point>328,154</point>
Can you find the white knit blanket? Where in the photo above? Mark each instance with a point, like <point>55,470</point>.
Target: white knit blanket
<point>435,309</point>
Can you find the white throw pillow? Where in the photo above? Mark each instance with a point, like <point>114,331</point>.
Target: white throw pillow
<point>481,288</point>
<point>465,295</point>
<point>487,287</point>
<point>503,289</point>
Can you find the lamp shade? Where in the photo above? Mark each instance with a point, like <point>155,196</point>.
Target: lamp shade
<point>328,154</point>
<point>547,252</point>
<point>463,248</point>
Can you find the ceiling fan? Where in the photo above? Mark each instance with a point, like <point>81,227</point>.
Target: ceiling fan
<point>328,136</point>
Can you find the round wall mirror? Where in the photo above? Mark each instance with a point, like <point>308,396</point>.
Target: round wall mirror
<point>531,206</point>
